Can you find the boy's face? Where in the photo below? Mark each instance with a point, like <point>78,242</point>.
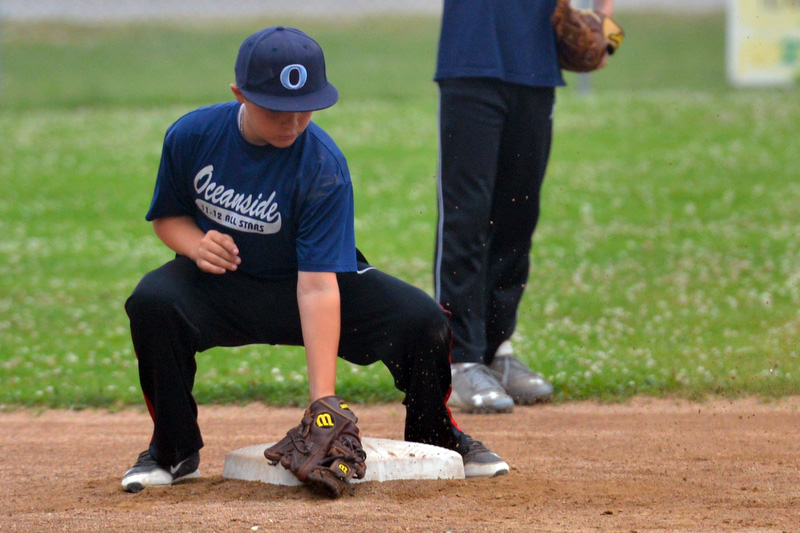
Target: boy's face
<point>263,126</point>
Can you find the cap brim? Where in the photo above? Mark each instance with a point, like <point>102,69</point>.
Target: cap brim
<point>321,99</point>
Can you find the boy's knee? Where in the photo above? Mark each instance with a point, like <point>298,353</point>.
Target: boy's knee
<point>432,323</point>
<point>441,325</point>
<point>147,300</point>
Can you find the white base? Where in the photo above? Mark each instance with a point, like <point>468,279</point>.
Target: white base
<point>386,460</point>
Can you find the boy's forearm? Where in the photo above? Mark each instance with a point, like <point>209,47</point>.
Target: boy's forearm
<point>320,316</point>
<point>212,251</point>
<point>180,233</point>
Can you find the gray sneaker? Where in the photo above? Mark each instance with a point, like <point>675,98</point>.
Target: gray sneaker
<point>480,461</point>
<point>147,473</point>
<point>475,390</point>
<point>524,386</point>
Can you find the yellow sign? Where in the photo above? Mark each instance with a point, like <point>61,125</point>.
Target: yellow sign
<point>763,42</point>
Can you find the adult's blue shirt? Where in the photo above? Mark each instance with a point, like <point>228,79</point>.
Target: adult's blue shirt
<point>509,40</point>
<point>287,209</point>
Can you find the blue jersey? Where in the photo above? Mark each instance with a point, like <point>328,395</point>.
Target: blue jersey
<point>509,40</point>
<point>287,209</point>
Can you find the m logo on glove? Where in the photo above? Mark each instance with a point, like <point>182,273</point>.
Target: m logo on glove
<point>324,420</point>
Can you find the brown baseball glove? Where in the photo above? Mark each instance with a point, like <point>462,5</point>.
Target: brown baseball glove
<point>583,37</point>
<point>324,450</point>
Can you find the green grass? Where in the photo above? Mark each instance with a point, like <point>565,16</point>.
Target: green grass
<point>666,261</point>
<point>142,65</point>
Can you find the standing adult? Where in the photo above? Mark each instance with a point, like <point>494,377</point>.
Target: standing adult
<point>497,71</point>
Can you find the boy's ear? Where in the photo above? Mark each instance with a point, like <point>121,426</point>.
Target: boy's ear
<point>237,93</point>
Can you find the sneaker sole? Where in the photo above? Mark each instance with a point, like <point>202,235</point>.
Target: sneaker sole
<point>532,401</point>
<point>133,488</point>
<point>489,470</point>
<point>486,409</point>
<point>137,486</point>
<point>192,475</point>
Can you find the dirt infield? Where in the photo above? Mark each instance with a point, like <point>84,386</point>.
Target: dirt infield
<point>640,466</point>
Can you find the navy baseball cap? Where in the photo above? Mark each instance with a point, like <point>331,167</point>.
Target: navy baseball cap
<point>283,69</point>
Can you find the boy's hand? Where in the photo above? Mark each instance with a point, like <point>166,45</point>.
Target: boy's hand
<point>217,253</point>
<point>212,252</point>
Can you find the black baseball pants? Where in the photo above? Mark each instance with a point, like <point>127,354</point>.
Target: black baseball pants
<point>177,311</point>
<point>494,146</point>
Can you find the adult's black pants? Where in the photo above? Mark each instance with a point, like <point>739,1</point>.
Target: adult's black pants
<point>494,146</point>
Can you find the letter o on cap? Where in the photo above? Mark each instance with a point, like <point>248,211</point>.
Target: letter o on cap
<point>286,75</point>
